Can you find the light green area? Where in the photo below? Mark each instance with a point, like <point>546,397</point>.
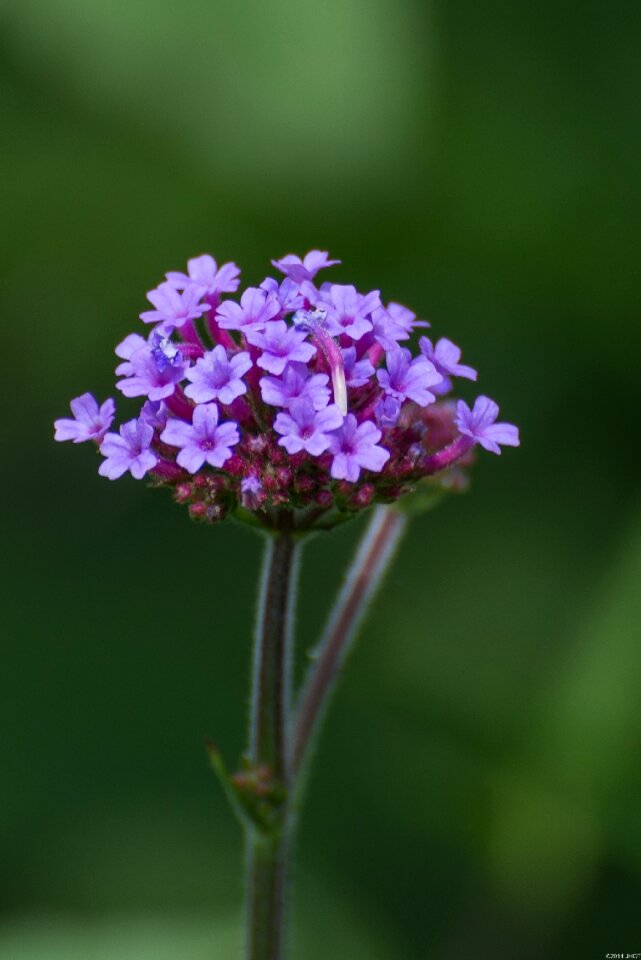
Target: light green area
<point>190,937</point>
<point>152,938</point>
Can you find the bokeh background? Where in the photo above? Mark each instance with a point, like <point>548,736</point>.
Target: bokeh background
<point>477,791</point>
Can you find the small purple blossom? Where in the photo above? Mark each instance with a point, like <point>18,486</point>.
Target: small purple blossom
<point>280,345</point>
<point>404,318</point>
<point>125,350</point>
<point>287,293</point>
<point>393,323</point>
<point>305,428</point>
<point>306,269</point>
<point>202,441</point>
<point>408,379</point>
<point>256,307</point>
<point>479,424</point>
<point>90,422</point>
<point>295,384</point>
<point>354,447</point>
<point>357,372</point>
<point>166,353</point>
<point>153,370</point>
<point>205,273</point>
<point>387,411</point>
<point>174,309</point>
<point>445,356</point>
<point>251,490</point>
<point>155,413</point>
<point>216,377</point>
<point>348,311</point>
<point>128,451</point>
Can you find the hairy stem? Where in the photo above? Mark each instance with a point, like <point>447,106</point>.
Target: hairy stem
<point>267,868</point>
<point>281,752</point>
<point>364,577</point>
<point>267,850</point>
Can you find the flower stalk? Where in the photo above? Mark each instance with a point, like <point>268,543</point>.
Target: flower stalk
<point>272,653</point>
<point>364,577</point>
<point>280,751</point>
<point>265,780</point>
<point>267,871</point>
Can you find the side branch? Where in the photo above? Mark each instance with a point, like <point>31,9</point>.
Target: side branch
<point>368,569</point>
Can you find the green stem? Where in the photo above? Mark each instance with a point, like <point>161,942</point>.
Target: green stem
<point>267,850</point>
<point>276,756</point>
<point>364,577</point>
<point>267,869</point>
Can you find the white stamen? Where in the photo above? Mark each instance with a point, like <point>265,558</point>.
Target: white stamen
<point>340,388</point>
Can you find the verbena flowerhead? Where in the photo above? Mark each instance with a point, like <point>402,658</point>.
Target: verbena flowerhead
<point>294,398</point>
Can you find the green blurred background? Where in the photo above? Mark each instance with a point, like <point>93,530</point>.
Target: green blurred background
<point>477,789</point>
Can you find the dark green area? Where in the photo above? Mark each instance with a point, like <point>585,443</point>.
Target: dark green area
<point>477,789</point>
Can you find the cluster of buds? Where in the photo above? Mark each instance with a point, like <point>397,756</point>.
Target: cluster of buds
<point>297,395</point>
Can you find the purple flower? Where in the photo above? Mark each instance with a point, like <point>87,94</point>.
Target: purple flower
<point>305,353</point>
<point>155,413</point>
<point>174,309</point>
<point>404,318</point>
<point>216,377</point>
<point>287,293</point>
<point>251,490</point>
<point>280,345</point>
<point>393,323</point>
<point>355,447</point>
<point>304,428</point>
<point>256,307</point>
<point>128,451</point>
<point>153,370</point>
<point>204,272</point>
<point>479,424</point>
<point>445,356</point>
<point>202,441</point>
<point>347,310</point>
<point>126,350</point>
<point>408,379</point>
<point>165,352</point>
<point>306,269</point>
<point>387,411</point>
<point>90,422</point>
<point>357,372</point>
<point>296,384</point>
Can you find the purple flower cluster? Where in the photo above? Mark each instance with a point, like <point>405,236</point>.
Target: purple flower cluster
<point>297,395</point>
